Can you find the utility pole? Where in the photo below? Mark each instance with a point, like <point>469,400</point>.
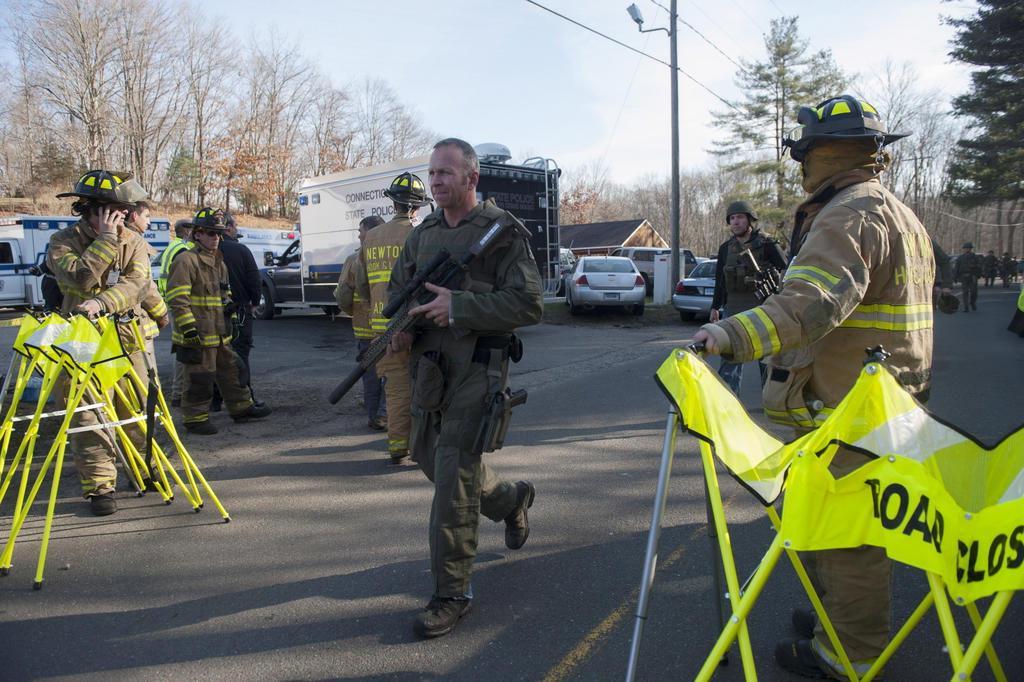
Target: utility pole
<point>674,218</point>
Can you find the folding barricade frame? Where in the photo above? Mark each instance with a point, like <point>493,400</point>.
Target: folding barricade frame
<point>82,386</point>
<point>735,627</point>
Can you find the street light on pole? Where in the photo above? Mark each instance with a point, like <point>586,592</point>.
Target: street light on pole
<point>635,15</point>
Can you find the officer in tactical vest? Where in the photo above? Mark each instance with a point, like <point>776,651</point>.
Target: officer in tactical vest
<point>197,292</point>
<point>736,275</point>
<point>1007,269</point>
<point>181,241</point>
<point>967,270</point>
<point>101,267</point>
<point>990,268</point>
<point>861,276</point>
<point>380,251</point>
<point>352,303</point>
<point>460,358</point>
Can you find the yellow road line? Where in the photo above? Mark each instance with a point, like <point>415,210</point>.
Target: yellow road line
<point>581,652</point>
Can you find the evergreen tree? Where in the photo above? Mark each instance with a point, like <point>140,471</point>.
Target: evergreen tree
<point>773,90</point>
<point>990,162</point>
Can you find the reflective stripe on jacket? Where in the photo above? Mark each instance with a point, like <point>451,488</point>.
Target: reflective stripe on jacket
<point>176,246</point>
<point>113,270</point>
<point>861,277</point>
<point>350,301</point>
<point>380,251</point>
<point>196,290</point>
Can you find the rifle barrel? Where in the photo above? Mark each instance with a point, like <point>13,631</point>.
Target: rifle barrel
<point>347,383</point>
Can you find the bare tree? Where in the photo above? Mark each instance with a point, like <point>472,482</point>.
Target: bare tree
<point>331,135</point>
<point>205,64</point>
<point>72,65</point>
<point>583,191</point>
<point>152,93</point>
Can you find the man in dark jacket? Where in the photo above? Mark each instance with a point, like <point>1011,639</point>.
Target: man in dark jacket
<point>736,279</point>
<point>244,277</point>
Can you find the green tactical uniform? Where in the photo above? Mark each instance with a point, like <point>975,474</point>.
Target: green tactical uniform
<point>502,291</point>
<point>967,270</point>
<point>734,280</point>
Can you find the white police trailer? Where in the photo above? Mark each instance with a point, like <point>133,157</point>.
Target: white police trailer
<point>331,206</point>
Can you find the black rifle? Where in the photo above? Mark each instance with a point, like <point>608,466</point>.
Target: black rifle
<point>767,280</point>
<point>443,271</point>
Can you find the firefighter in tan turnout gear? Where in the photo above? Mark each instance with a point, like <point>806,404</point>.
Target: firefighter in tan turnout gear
<point>377,257</point>
<point>861,276</point>
<point>196,293</point>
<point>352,303</point>
<point>101,266</point>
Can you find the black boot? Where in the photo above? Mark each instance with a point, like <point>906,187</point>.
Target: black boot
<point>797,656</point>
<point>204,428</point>
<point>253,412</point>
<point>440,616</point>
<point>103,505</point>
<point>517,523</point>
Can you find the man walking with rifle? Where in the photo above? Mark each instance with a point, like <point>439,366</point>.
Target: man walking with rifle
<point>743,261</point>
<point>377,257</point>
<point>460,346</point>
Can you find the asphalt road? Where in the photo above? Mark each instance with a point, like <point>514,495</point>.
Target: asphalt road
<point>325,560</point>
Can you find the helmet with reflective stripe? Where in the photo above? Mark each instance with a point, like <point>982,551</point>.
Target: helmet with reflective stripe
<point>208,219</point>
<point>407,189</point>
<point>100,186</point>
<point>839,118</point>
<point>740,207</point>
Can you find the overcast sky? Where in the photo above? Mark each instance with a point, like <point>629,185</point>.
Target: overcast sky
<point>507,71</point>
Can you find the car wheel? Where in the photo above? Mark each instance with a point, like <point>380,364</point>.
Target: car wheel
<point>686,316</point>
<point>265,310</point>
<point>638,309</point>
<point>573,308</point>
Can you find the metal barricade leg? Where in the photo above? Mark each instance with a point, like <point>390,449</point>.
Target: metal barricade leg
<point>651,558</point>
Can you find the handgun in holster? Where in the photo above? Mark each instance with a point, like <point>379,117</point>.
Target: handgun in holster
<point>497,418</point>
<point>501,400</point>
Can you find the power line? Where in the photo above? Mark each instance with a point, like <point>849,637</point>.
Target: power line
<point>748,15</point>
<point>702,36</point>
<point>625,99</point>
<point>633,49</point>
<point>776,7</point>
<point>975,222</point>
<point>724,32</point>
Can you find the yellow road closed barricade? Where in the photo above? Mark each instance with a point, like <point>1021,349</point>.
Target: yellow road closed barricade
<point>931,495</point>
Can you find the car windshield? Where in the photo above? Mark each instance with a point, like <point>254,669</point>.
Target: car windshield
<point>705,269</point>
<point>607,265</point>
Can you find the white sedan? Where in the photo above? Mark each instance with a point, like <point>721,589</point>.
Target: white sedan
<point>604,281</point>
